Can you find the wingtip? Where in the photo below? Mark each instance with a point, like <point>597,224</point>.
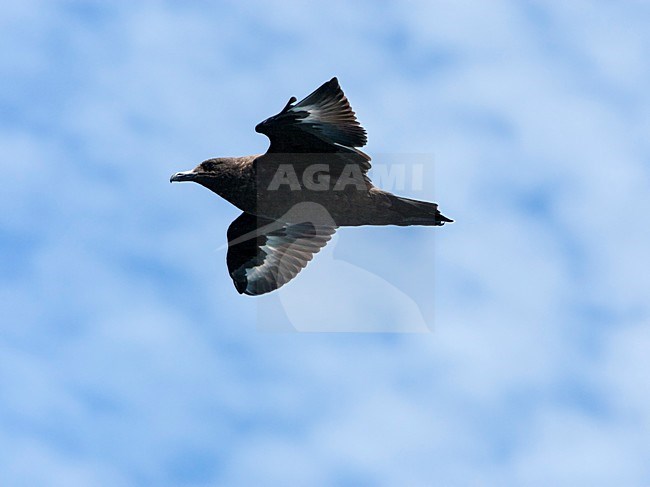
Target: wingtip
<point>240,285</point>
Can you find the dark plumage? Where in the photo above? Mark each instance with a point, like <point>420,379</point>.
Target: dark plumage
<point>311,180</point>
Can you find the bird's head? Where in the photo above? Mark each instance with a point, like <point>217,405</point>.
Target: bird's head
<point>205,173</point>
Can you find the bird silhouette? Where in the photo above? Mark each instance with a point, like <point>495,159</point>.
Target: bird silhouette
<point>311,180</point>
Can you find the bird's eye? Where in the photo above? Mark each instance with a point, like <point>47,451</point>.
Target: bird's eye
<point>210,165</point>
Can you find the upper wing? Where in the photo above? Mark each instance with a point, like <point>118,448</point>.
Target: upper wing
<point>322,122</point>
<point>263,254</point>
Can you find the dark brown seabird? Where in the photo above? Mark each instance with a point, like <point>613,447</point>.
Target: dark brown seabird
<point>310,181</point>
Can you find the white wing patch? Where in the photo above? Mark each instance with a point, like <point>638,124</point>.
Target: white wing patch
<point>265,258</point>
<point>314,114</point>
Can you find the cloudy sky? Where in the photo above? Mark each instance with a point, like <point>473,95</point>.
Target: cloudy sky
<point>128,358</point>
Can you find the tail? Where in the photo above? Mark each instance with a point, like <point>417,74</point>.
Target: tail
<point>414,212</point>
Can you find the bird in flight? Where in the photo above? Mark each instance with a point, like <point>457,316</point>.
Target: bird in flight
<point>311,180</point>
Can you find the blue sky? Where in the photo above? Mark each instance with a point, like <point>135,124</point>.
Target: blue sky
<point>127,356</point>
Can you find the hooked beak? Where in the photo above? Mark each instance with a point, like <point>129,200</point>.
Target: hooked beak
<point>182,176</point>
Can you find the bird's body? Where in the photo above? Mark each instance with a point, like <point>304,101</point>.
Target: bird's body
<point>244,182</point>
<point>310,181</point>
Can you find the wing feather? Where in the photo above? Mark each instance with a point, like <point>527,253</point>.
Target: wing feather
<point>263,254</point>
<point>322,122</point>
